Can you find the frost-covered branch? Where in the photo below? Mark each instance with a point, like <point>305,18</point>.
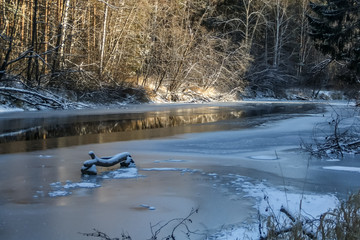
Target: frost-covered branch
<point>102,235</point>
<point>33,97</point>
<point>181,222</point>
<point>342,137</point>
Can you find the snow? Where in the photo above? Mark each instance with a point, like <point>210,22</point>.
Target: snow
<point>122,173</point>
<point>170,169</point>
<point>81,185</point>
<point>109,160</point>
<point>147,206</point>
<point>343,168</point>
<point>8,109</point>
<point>45,156</point>
<point>170,161</point>
<point>60,190</point>
<point>269,200</point>
<point>333,160</point>
<point>59,193</point>
<point>264,157</point>
<point>164,169</point>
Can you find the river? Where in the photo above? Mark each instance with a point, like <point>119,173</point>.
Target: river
<point>187,156</point>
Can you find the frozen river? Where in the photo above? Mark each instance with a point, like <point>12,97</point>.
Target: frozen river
<point>206,156</point>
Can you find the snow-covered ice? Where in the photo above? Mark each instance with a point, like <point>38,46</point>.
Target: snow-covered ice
<point>121,173</point>
<point>264,157</point>
<point>165,169</point>
<point>81,185</point>
<point>333,160</point>
<point>8,109</point>
<point>269,200</point>
<point>343,168</point>
<point>61,190</point>
<point>170,161</point>
<point>59,193</point>
<point>147,206</point>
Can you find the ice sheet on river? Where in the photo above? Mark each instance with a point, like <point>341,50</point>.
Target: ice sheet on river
<point>60,190</point>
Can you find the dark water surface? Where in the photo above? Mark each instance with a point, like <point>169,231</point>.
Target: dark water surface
<point>31,131</point>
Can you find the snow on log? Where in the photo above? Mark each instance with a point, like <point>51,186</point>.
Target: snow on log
<point>89,166</point>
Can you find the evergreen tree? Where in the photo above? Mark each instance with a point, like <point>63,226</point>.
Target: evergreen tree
<point>335,29</point>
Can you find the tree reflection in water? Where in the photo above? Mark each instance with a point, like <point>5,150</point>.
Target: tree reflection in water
<point>42,133</point>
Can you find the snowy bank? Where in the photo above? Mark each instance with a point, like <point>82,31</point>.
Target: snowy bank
<point>269,202</point>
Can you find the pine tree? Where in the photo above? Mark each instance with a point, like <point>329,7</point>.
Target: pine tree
<point>335,29</point>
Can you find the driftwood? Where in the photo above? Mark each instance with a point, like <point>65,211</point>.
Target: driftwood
<point>89,166</point>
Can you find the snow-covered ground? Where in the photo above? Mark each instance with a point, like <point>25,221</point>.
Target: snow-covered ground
<point>229,175</point>
<point>9,109</point>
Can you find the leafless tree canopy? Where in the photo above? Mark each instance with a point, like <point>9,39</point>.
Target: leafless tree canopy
<point>174,45</point>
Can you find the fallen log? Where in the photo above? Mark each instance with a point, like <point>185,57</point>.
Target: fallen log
<point>89,166</point>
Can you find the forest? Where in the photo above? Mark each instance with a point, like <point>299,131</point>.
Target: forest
<point>143,47</point>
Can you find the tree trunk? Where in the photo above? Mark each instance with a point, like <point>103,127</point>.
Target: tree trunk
<point>23,24</point>
<point>277,36</point>
<point>304,38</point>
<point>103,41</point>
<point>46,31</point>
<point>64,24</point>
<point>88,32</point>
<point>33,47</point>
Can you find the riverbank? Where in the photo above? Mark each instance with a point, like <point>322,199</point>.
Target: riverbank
<point>14,96</point>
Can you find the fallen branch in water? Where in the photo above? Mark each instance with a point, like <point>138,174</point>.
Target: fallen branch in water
<point>89,166</point>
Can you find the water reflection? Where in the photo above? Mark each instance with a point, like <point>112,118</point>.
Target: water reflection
<point>110,126</point>
<point>53,132</point>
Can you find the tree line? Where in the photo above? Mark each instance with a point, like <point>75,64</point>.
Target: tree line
<point>227,45</point>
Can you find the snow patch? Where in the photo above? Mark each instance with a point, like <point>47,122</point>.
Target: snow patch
<point>169,169</point>
<point>45,156</point>
<point>264,157</point>
<point>170,161</point>
<point>121,173</point>
<point>343,168</point>
<point>333,160</point>
<point>59,193</point>
<point>60,190</point>
<point>269,200</point>
<point>147,206</point>
<point>81,185</point>
<point>8,109</point>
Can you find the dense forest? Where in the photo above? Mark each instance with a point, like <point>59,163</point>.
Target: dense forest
<point>234,47</point>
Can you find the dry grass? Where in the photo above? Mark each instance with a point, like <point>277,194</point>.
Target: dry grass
<point>342,223</point>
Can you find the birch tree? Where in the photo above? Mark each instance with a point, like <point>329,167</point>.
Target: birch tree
<point>103,41</point>
<point>64,30</point>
